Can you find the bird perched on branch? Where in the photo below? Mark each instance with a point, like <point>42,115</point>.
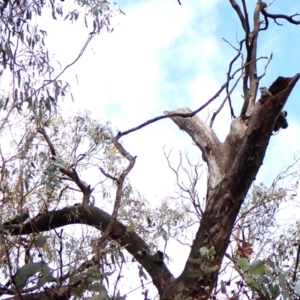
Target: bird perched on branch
<point>265,94</point>
<point>19,219</point>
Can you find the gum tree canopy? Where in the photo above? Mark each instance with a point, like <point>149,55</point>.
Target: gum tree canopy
<point>44,156</point>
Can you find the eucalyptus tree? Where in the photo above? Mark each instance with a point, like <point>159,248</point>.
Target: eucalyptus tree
<point>42,168</point>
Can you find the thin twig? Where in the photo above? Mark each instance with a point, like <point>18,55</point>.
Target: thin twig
<point>281,16</point>
<point>222,104</point>
<point>183,115</point>
<point>119,192</point>
<point>108,175</point>
<point>72,174</point>
<point>266,66</point>
<point>229,76</point>
<point>47,82</point>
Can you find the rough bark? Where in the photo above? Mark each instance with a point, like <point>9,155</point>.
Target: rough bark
<point>241,155</point>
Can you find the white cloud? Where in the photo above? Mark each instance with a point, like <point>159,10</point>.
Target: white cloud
<point>122,78</point>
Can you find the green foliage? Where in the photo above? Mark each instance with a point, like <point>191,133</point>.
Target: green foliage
<point>130,227</point>
<point>29,270</point>
<point>46,275</point>
<point>23,51</point>
<point>208,253</point>
<point>206,263</point>
<point>30,172</point>
<point>40,240</point>
<point>243,264</point>
<point>90,281</point>
<point>271,275</point>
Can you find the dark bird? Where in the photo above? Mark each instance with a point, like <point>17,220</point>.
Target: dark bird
<point>281,121</point>
<point>20,219</point>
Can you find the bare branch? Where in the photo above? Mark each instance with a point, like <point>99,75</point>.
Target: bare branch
<point>238,10</point>
<point>47,82</point>
<point>297,263</point>
<point>290,19</point>
<point>108,175</point>
<point>247,31</point>
<point>229,76</point>
<point>119,193</point>
<point>99,219</point>
<point>223,102</point>
<point>266,66</point>
<point>251,67</point>
<point>183,115</point>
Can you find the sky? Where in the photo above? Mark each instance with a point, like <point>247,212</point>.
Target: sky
<point>163,56</point>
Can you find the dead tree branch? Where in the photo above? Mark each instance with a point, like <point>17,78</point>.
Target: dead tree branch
<point>290,19</point>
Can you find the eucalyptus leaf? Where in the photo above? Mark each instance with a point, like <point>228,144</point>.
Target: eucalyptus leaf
<point>243,264</point>
<point>130,227</point>
<point>46,275</point>
<point>297,289</point>
<point>27,271</point>
<point>257,268</point>
<point>40,240</point>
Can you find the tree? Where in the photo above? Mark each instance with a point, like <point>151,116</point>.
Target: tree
<point>51,152</point>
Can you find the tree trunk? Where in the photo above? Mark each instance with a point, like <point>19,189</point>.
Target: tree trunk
<point>232,167</point>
